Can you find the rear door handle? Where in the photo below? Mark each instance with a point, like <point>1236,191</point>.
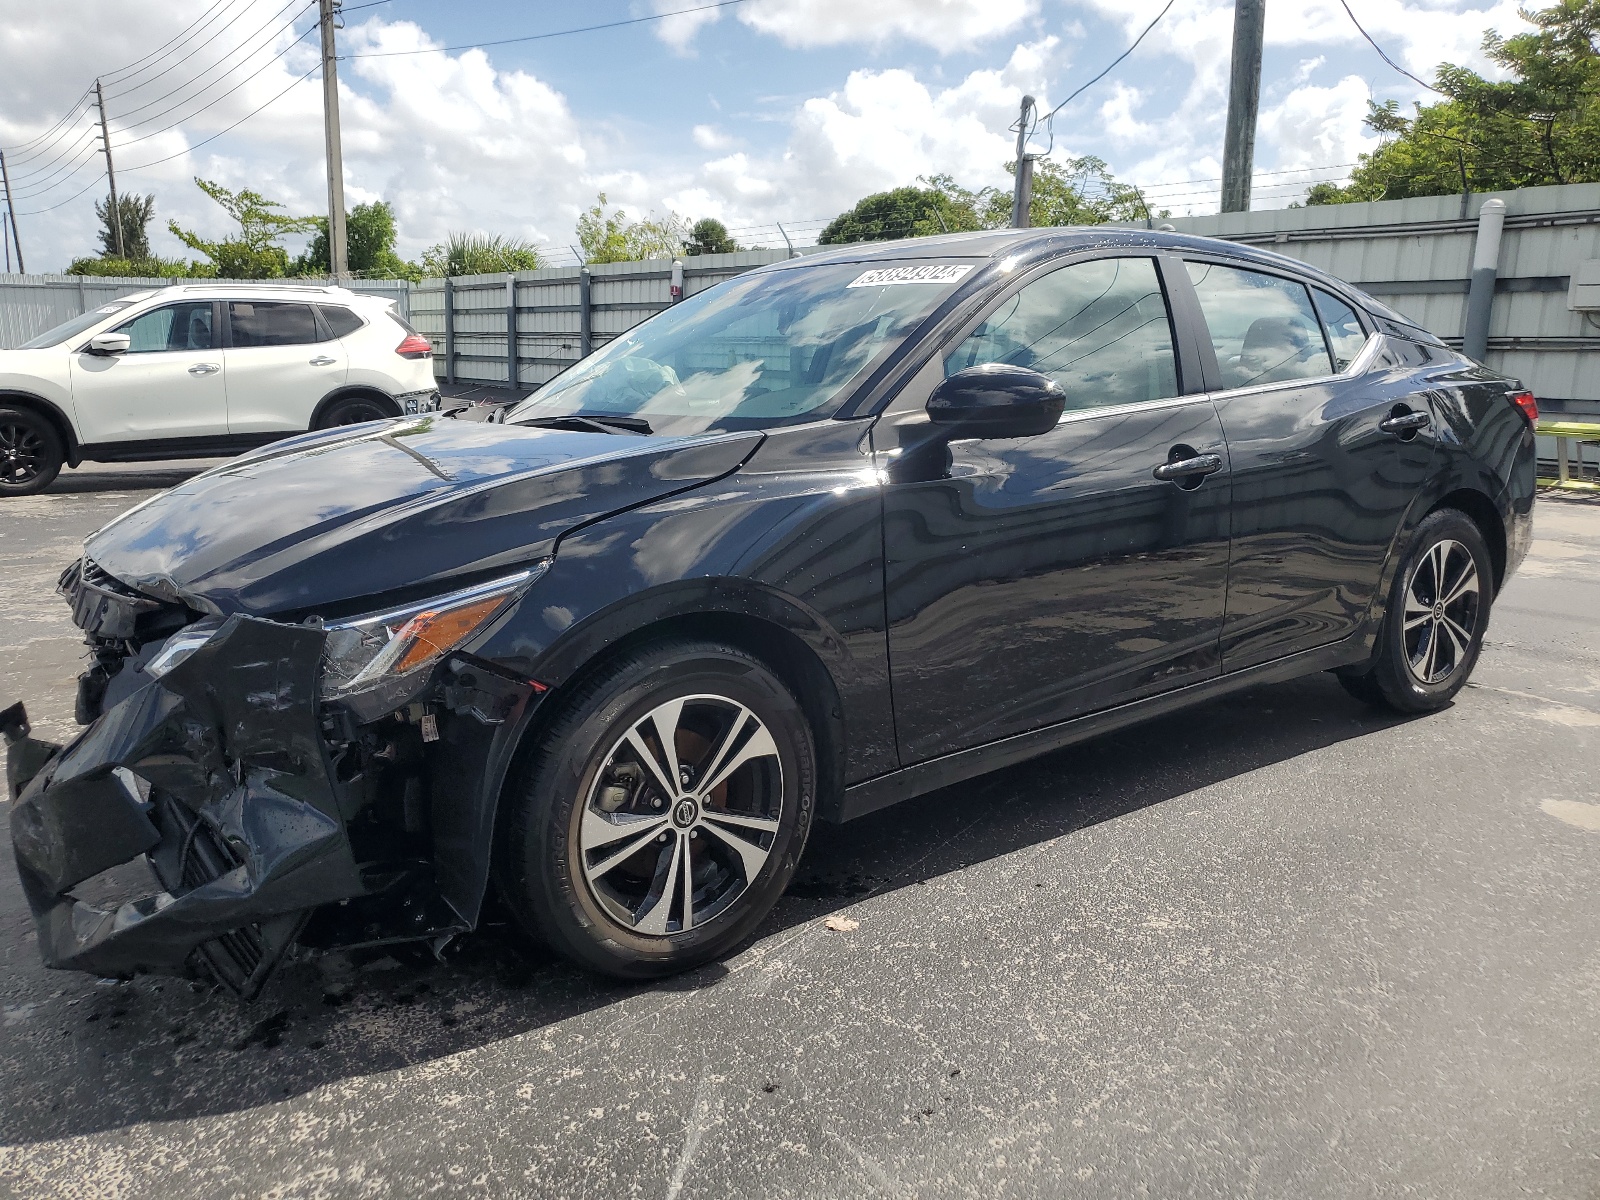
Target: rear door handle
<point>322,360</point>
<point>205,369</point>
<point>1194,467</point>
<point>1405,422</point>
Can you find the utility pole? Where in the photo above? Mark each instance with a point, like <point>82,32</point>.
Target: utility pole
<point>1244,98</point>
<point>111,173</point>
<point>338,255</point>
<point>11,208</point>
<point>1022,185</point>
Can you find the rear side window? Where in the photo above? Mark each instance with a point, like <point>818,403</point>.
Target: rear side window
<point>1099,329</point>
<point>342,321</point>
<point>272,323</point>
<point>1343,327</point>
<point>1263,327</point>
<point>170,327</point>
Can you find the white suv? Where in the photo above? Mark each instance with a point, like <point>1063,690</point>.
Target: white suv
<point>196,370</point>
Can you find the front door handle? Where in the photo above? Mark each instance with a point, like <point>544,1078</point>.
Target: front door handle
<point>1403,421</point>
<point>205,368</point>
<point>1188,467</point>
<point>322,360</point>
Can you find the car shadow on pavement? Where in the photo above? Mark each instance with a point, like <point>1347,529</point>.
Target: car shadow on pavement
<point>131,477</point>
<point>82,1056</point>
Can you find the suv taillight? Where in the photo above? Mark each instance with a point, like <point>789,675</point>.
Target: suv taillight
<point>415,346</point>
<point>1528,406</point>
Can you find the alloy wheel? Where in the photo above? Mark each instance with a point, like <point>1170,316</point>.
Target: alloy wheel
<point>22,454</point>
<point>359,412</point>
<point>682,815</point>
<point>1442,609</point>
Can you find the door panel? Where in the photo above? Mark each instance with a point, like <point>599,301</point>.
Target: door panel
<point>1029,580</point>
<point>170,383</point>
<point>1319,489</point>
<point>281,363</point>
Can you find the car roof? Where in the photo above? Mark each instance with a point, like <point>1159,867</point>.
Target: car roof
<point>266,291</point>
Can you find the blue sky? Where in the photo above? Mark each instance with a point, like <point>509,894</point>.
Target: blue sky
<point>765,111</point>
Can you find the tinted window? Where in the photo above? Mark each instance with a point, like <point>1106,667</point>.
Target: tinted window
<point>1262,326</point>
<point>172,327</point>
<point>60,333</point>
<point>270,323</point>
<point>1100,329</point>
<point>342,321</point>
<point>1343,327</point>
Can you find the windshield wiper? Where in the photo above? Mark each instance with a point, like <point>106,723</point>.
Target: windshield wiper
<point>594,422</point>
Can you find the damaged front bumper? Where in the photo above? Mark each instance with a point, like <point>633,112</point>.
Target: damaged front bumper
<point>219,775</point>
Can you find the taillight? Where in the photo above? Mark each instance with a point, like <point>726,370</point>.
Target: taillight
<point>415,346</point>
<point>1528,405</point>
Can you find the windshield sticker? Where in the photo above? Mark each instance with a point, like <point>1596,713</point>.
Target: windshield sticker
<point>931,274</point>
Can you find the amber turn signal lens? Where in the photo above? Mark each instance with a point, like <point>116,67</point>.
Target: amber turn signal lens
<point>430,634</point>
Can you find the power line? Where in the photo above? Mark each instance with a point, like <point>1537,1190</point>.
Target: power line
<point>1381,53</point>
<point>538,37</point>
<point>122,73</point>
<point>1131,48</point>
<point>78,106</point>
<point>230,128</point>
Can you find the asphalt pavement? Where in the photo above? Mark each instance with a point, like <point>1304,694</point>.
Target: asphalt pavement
<point>1279,946</point>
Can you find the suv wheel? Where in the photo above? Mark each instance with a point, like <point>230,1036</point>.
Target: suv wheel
<point>355,410</point>
<point>663,813</point>
<point>1433,629</point>
<point>30,452</point>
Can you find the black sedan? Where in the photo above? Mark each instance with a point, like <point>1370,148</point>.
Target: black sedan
<point>824,537</point>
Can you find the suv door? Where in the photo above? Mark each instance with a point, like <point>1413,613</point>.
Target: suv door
<point>1029,580</point>
<point>282,360</point>
<point>169,384</point>
<point>1327,456</point>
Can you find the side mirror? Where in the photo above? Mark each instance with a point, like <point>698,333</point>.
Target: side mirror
<point>110,343</point>
<point>997,400</point>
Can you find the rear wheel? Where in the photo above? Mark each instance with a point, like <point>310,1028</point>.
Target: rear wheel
<point>663,813</point>
<point>1433,630</point>
<point>31,454</point>
<point>355,410</point>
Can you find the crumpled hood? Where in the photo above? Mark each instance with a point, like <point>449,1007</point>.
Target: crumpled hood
<point>350,514</point>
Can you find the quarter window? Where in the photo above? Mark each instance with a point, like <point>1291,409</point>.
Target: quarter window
<point>171,327</point>
<point>272,323</point>
<point>1343,327</point>
<point>341,321</point>
<point>1262,326</point>
<point>1100,329</point>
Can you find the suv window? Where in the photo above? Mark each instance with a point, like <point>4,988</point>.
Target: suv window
<point>170,327</point>
<point>1343,327</point>
<point>272,323</point>
<point>342,321</point>
<point>1100,329</point>
<point>1262,326</point>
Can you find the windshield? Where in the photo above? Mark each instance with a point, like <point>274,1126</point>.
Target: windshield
<point>67,329</point>
<point>759,350</point>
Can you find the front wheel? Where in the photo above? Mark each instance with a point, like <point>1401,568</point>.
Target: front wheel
<point>663,812</point>
<point>1433,629</point>
<point>30,452</point>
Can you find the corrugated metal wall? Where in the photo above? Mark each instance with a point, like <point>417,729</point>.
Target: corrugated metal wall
<point>547,306</point>
<point>1416,255</point>
<point>30,304</point>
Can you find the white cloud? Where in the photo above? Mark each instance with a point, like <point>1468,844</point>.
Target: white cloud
<point>945,25</point>
<point>709,137</point>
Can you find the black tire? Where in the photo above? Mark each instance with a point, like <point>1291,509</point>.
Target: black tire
<point>31,455</point>
<point>557,863</point>
<point>355,410</point>
<point>1421,668</point>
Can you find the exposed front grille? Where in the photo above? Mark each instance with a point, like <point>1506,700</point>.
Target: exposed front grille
<point>102,605</point>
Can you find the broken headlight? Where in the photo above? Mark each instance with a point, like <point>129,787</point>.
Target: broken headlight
<point>377,663</point>
<point>181,645</point>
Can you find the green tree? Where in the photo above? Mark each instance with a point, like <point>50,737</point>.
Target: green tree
<point>941,207</point>
<point>254,252</point>
<point>1540,126</point>
<point>480,254</point>
<point>136,211</point>
<point>150,267</point>
<point>710,236</point>
<point>370,235</point>
<point>608,237</point>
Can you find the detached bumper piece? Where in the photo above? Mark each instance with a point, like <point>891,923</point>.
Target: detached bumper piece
<point>218,774</point>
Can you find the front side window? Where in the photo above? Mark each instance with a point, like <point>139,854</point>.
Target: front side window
<point>1100,329</point>
<point>71,328</point>
<point>1263,327</point>
<point>1343,327</point>
<point>170,327</point>
<point>760,350</point>
<point>272,323</point>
